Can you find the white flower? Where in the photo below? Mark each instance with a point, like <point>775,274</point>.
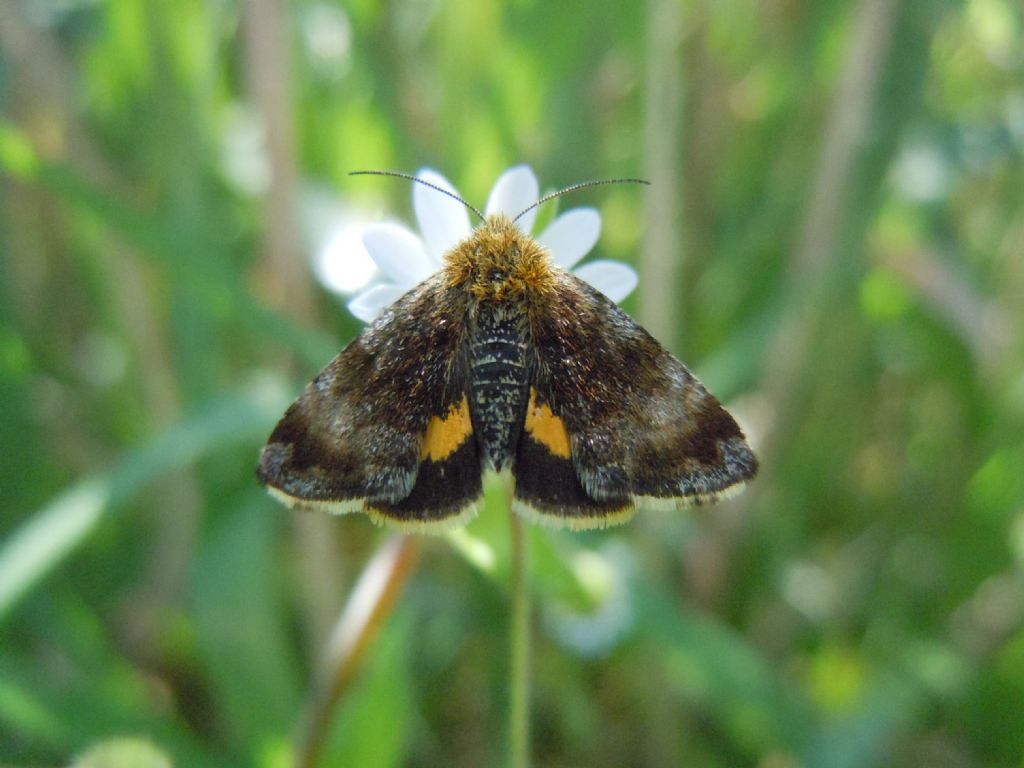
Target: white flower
<point>405,258</point>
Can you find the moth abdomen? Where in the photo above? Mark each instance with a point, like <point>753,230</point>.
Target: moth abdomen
<point>499,381</point>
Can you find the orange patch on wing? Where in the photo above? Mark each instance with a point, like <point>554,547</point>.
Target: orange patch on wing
<point>546,428</point>
<point>445,435</point>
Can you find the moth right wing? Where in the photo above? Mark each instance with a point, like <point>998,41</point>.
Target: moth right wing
<point>385,428</point>
<point>615,421</point>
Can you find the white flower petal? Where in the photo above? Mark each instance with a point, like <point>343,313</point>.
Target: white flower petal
<point>341,263</point>
<point>443,221</point>
<point>571,236</point>
<point>612,278</point>
<point>371,302</point>
<point>515,189</point>
<point>398,253</point>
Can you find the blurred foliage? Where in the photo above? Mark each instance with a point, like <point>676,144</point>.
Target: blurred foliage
<point>851,194</point>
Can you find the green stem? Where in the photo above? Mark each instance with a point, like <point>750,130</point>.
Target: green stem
<point>519,667</point>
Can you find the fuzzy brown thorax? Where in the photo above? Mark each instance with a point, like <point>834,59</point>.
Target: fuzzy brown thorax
<point>500,262</point>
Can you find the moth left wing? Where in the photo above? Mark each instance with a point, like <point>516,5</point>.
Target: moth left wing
<point>615,421</point>
<point>385,428</point>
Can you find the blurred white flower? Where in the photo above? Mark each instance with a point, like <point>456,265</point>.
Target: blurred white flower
<point>333,233</point>
<point>406,258</point>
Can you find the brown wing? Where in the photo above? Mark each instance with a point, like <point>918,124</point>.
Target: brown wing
<point>385,427</point>
<point>638,427</point>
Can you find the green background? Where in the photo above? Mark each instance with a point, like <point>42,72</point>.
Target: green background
<point>833,241</point>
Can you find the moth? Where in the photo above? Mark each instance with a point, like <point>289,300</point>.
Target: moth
<point>504,361</point>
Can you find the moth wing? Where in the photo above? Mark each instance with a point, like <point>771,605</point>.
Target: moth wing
<point>385,428</point>
<point>615,421</point>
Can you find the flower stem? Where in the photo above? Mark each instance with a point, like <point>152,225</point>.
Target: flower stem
<point>372,600</point>
<point>519,667</point>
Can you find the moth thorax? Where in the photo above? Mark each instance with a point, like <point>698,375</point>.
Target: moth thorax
<point>499,262</point>
<point>499,385</point>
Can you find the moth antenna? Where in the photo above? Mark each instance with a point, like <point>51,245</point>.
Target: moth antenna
<point>574,188</point>
<point>410,177</point>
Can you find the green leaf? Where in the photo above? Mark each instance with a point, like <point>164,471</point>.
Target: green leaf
<point>53,532</point>
<point>62,714</point>
<point>22,712</point>
<point>709,663</point>
<point>242,635</point>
